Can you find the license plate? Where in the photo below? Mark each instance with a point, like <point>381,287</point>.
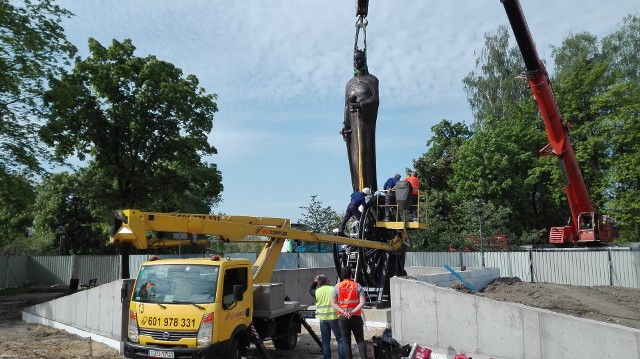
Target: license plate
<point>160,354</point>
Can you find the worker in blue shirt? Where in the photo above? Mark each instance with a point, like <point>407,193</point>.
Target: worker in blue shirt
<point>390,195</point>
<point>357,199</point>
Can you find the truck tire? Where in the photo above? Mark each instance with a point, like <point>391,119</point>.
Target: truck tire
<point>234,350</point>
<point>286,336</point>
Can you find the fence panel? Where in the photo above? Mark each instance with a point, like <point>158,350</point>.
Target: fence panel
<point>571,267</point>
<point>589,268</point>
<point>471,259</point>
<point>432,259</point>
<point>625,267</point>
<point>316,260</point>
<point>288,261</point>
<point>511,264</point>
<point>4,272</point>
<point>104,268</point>
<point>50,269</point>
<point>14,271</point>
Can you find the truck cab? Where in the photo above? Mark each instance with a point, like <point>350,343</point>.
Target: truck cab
<point>190,308</point>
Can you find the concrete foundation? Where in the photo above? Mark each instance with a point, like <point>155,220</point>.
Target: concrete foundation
<point>95,313</point>
<point>451,322</point>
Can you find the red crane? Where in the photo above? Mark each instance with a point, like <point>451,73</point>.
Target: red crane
<point>586,224</point>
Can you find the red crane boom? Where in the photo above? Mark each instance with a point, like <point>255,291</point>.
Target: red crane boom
<point>586,224</point>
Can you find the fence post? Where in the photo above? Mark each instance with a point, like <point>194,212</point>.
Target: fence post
<point>610,267</point>
<point>531,266</point>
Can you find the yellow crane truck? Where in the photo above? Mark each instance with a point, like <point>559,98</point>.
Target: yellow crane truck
<point>213,307</point>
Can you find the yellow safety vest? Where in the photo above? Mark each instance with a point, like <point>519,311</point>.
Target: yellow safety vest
<point>324,310</point>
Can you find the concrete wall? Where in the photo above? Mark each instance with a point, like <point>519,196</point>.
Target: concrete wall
<point>452,322</point>
<point>95,313</point>
<point>479,278</point>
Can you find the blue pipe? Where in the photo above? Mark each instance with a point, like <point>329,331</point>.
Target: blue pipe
<point>467,284</point>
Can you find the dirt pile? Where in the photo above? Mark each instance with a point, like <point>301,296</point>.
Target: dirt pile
<point>616,305</point>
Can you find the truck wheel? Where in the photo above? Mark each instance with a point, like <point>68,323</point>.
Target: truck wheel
<point>234,350</point>
<point>286,336</point>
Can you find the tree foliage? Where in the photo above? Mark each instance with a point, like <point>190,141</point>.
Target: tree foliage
<point>317,218</point>
<point>498,160</point>
<point>16,212</point>
<point>618,110</point>
<point>141,126</point>
<point>64,222</point>
<point>33,47</point>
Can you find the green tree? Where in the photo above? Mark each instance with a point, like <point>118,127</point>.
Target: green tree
<point>16,219</point>
<point>580,78</point>
<point>499,163</point>
<point>141,126</point>
<point>64,222</point>
<point>435,168</point>
<point>33,48</point>
<point>619,109</point>
<point>318,219</point>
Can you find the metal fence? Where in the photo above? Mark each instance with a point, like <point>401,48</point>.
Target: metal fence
<point>588,268</point>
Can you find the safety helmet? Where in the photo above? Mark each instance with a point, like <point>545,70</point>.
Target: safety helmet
<point>366,191</point>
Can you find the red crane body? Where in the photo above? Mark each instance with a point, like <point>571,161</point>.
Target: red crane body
<point>586,224</point>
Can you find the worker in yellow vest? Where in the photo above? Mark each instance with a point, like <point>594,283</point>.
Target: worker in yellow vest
<point>326,314</point>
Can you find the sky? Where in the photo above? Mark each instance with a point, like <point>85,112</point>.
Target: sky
<point>280,68</point>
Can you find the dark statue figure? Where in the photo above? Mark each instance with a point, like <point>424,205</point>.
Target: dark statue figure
<point>359,131</point>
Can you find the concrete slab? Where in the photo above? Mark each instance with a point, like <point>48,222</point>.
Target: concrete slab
<point>485,328</point>
<point>459,310</point>
<point>500,326</point>
<point>564,336</point>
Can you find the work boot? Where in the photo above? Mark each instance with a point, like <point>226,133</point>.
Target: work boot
<point>362,349</point>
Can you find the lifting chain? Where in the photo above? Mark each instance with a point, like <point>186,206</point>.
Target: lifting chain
<point>362,9</point>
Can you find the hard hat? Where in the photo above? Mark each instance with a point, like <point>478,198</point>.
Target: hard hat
<point>366,191</point>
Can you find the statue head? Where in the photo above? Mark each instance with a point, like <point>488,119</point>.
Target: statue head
<point>359,61</point>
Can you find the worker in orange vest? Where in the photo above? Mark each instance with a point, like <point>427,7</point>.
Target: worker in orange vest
<point>348,299</point>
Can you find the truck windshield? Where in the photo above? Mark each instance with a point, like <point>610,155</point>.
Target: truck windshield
<point>176,283</point>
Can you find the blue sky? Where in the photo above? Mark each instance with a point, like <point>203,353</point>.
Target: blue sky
<point>280,68</point>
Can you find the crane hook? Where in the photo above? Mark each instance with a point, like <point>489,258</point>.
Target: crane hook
<point>362,7</point>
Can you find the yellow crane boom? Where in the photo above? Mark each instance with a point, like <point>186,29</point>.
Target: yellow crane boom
<point>131,226</point>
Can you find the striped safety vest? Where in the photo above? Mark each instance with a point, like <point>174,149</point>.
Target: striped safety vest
<point>324,310</point>
<point>348,297</point>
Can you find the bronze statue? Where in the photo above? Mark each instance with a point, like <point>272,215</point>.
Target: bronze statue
<point>359,131</point>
